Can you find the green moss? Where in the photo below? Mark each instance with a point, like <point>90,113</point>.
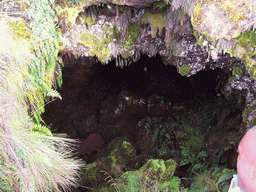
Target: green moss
<point>159,169</point>
<point>200,42</point>
<point>70,2</point>
<point>125,150</point>
<point>118,153</point>
<point>68,15</point>
<point>161,5</point>
<point>238,70</point>
<point>155,174</point>
<point>122,8</point>
<point>86,18</point>
<point>173,185</point>
<point>247,38</point>
<point>235,12</point>
<point>248,111</point>
<point>230,79</point>
<point>156,21</point>
<point>198,15</point>
<point>98,46</point>
<point>86,39</point>
<point>19,28</point>
<point>246,50</point>
<point>100,50</point>
<point>116,33</point>
<point>184,70</point>
<point>109,33</point>
<point>133,34</point>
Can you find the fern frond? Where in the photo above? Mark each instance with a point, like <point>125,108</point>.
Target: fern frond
<point>41,129</point>
<point>226,175</point>
<point>53,93</point>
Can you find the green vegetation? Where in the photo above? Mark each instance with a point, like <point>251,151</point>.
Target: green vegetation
<point>156,175</point>
<point>99,43</point>
<point>31,158</point>
<point>235,12</point>
<point>71,2</point>
<point>133,34</point>
<point>184,70</point>
<point>246,50</point>
<point>191,138</point>
<point>86,18</point>
<point>156,21</point>
<point>198,15</point>
<point>98,46</point>
<point>161,5</point>
<point>86,39</point>
<point>67,16</point>
<point>119,152</point>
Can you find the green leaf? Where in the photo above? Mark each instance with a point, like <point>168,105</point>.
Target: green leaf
<point>184,162</point>
<point>162,131</point>
<point>226,175</point>
<point>155,134</point>
<point>202,154</point>
<point>37,118</point>
<point>163,149</point>
<point>197,166</point>
<point>42,130</point>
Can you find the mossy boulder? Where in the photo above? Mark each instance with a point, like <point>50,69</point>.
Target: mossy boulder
<point>156,174</point>
<point>118,153</point>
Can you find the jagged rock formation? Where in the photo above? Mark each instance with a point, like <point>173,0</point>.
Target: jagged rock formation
<point>192,35</point>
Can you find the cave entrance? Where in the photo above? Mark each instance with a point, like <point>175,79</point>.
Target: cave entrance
<point>147,102</point>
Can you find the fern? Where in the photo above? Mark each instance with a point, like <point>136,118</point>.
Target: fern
<point>53,93</point>
<point>173,185</point>
<point>41,129</point>
<point>45,68</point>
<point>227,174</point>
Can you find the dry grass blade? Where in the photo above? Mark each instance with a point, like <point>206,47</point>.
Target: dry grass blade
<point>113,183</point>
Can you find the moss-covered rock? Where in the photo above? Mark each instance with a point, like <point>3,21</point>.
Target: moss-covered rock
<point>133,34</point>
<point>247,43</point>
<point>157,22</point>
<point>86,18</point>
<point>67,16</point>
<point>156,174</point>
<point>118,153</point>
<point>97,44</point>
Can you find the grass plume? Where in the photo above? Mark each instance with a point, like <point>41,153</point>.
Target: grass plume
<point>29,161</point>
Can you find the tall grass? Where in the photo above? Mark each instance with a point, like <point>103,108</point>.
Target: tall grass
<point>29,161</point>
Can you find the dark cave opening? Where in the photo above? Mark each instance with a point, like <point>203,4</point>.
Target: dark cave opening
<point>92,97</point>
<point>150,76</point>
